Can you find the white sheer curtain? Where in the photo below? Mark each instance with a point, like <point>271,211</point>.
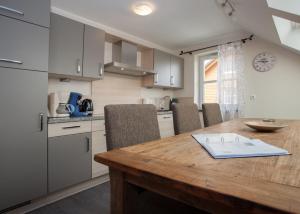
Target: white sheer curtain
<point>231,82</point>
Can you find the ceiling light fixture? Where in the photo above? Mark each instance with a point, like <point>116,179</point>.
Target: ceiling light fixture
<point>142,8</point>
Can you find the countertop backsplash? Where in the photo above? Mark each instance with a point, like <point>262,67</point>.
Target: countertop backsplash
<point>63,89</point>
<point>113,89</point>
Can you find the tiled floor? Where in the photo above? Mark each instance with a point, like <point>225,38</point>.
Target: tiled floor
<point>95,200</point>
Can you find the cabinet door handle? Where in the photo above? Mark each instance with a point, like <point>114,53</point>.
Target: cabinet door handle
<point>166,117</point>
<point>100,69</point>
<point>41,122</point>
<point>71,127</point>
<point>172,80</point>
<point>78,66</point>
<point>87,144</point>
<point>21,13</point>
<point>11,61</point>
<point>156,78</point>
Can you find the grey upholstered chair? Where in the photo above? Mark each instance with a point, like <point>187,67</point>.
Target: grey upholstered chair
<point>185,117</point>
<point>130,124</point>
<point>211,114</point>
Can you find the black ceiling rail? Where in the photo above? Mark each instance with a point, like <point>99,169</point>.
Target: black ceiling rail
<point>214,46</point>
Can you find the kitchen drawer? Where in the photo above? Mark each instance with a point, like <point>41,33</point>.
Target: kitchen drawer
<point>98,125</point>
<point>23,45</point>
<point>165,117</point>
<point>61,129</point>
<point>33,11</point>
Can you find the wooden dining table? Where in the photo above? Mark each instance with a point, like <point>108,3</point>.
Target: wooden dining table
<point>179,168</point>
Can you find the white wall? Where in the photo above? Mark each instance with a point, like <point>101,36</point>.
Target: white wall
<point>189,77</point>
<point>277,91</point>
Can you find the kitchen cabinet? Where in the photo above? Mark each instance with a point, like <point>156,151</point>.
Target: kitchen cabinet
<point>99,146</point>
<point>23,130</point>
<point>176,78</point>
<point>93,56</point>
<point>66,46</point>
<point>69,160</point>
<point>32,11</point>
<point>23,45</point>
<point>166,126</point>
<point>76,50</point>
<point>162,66</point>
<point>168,68</point>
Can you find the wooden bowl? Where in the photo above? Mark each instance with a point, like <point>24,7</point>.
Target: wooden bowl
<point>262,126</point>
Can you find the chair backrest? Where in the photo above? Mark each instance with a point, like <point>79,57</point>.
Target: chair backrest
<point>211,114</point>
<point>185,117</point>
<point>130,124</point>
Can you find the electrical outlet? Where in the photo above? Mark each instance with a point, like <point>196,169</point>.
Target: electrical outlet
<point>252,97</point>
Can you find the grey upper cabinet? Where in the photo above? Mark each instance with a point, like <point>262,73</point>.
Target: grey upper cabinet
<point>162,66</point>
<point>69,160</point>
<point>76,50</point>
<point>23,45</point>
<point>177,64</point>
<point>93,55</point>
<point>169,71</point>
<point>66,46</point>
<point>23,130</point>
<point>32,11</point>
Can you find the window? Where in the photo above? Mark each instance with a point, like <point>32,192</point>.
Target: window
<point>208,79</point>
<point>288,31</point>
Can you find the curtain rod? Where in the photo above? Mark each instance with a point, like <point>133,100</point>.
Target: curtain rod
<point>214,46</point>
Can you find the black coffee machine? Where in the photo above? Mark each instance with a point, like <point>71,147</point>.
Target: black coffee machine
<point>86,105</point>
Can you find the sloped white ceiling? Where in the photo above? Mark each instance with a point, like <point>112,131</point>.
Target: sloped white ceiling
<point>182,24</point>
<point>174,24</point>
<point>256,17</point>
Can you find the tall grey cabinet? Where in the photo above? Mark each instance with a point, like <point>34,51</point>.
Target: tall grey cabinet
<point>23,93</point>
<point>76,50</point>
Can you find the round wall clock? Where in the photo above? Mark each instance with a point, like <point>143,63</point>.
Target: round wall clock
<point>264,62</point>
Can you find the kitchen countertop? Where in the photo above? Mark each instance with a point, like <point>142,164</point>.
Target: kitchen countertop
<point>52,120</point>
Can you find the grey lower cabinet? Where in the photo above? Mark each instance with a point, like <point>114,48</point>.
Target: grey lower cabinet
<point>66,46</point>
<point>23,131</point>
<point>69,160</point>
<point>32,11</point>
<point>76,50</point>
<point>23,45</point>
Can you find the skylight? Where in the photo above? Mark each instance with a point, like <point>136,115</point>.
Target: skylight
<point>289,6</point>
<point>288,31</point>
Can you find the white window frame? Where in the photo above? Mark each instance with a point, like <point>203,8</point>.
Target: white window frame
<point>201,89</point>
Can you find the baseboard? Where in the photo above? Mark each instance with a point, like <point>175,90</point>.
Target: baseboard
<point>53,197</point>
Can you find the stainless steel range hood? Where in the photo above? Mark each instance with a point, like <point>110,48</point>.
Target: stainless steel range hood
<point>124,60</point>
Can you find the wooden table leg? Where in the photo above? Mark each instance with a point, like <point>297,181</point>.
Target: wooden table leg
<point>117,191</point>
